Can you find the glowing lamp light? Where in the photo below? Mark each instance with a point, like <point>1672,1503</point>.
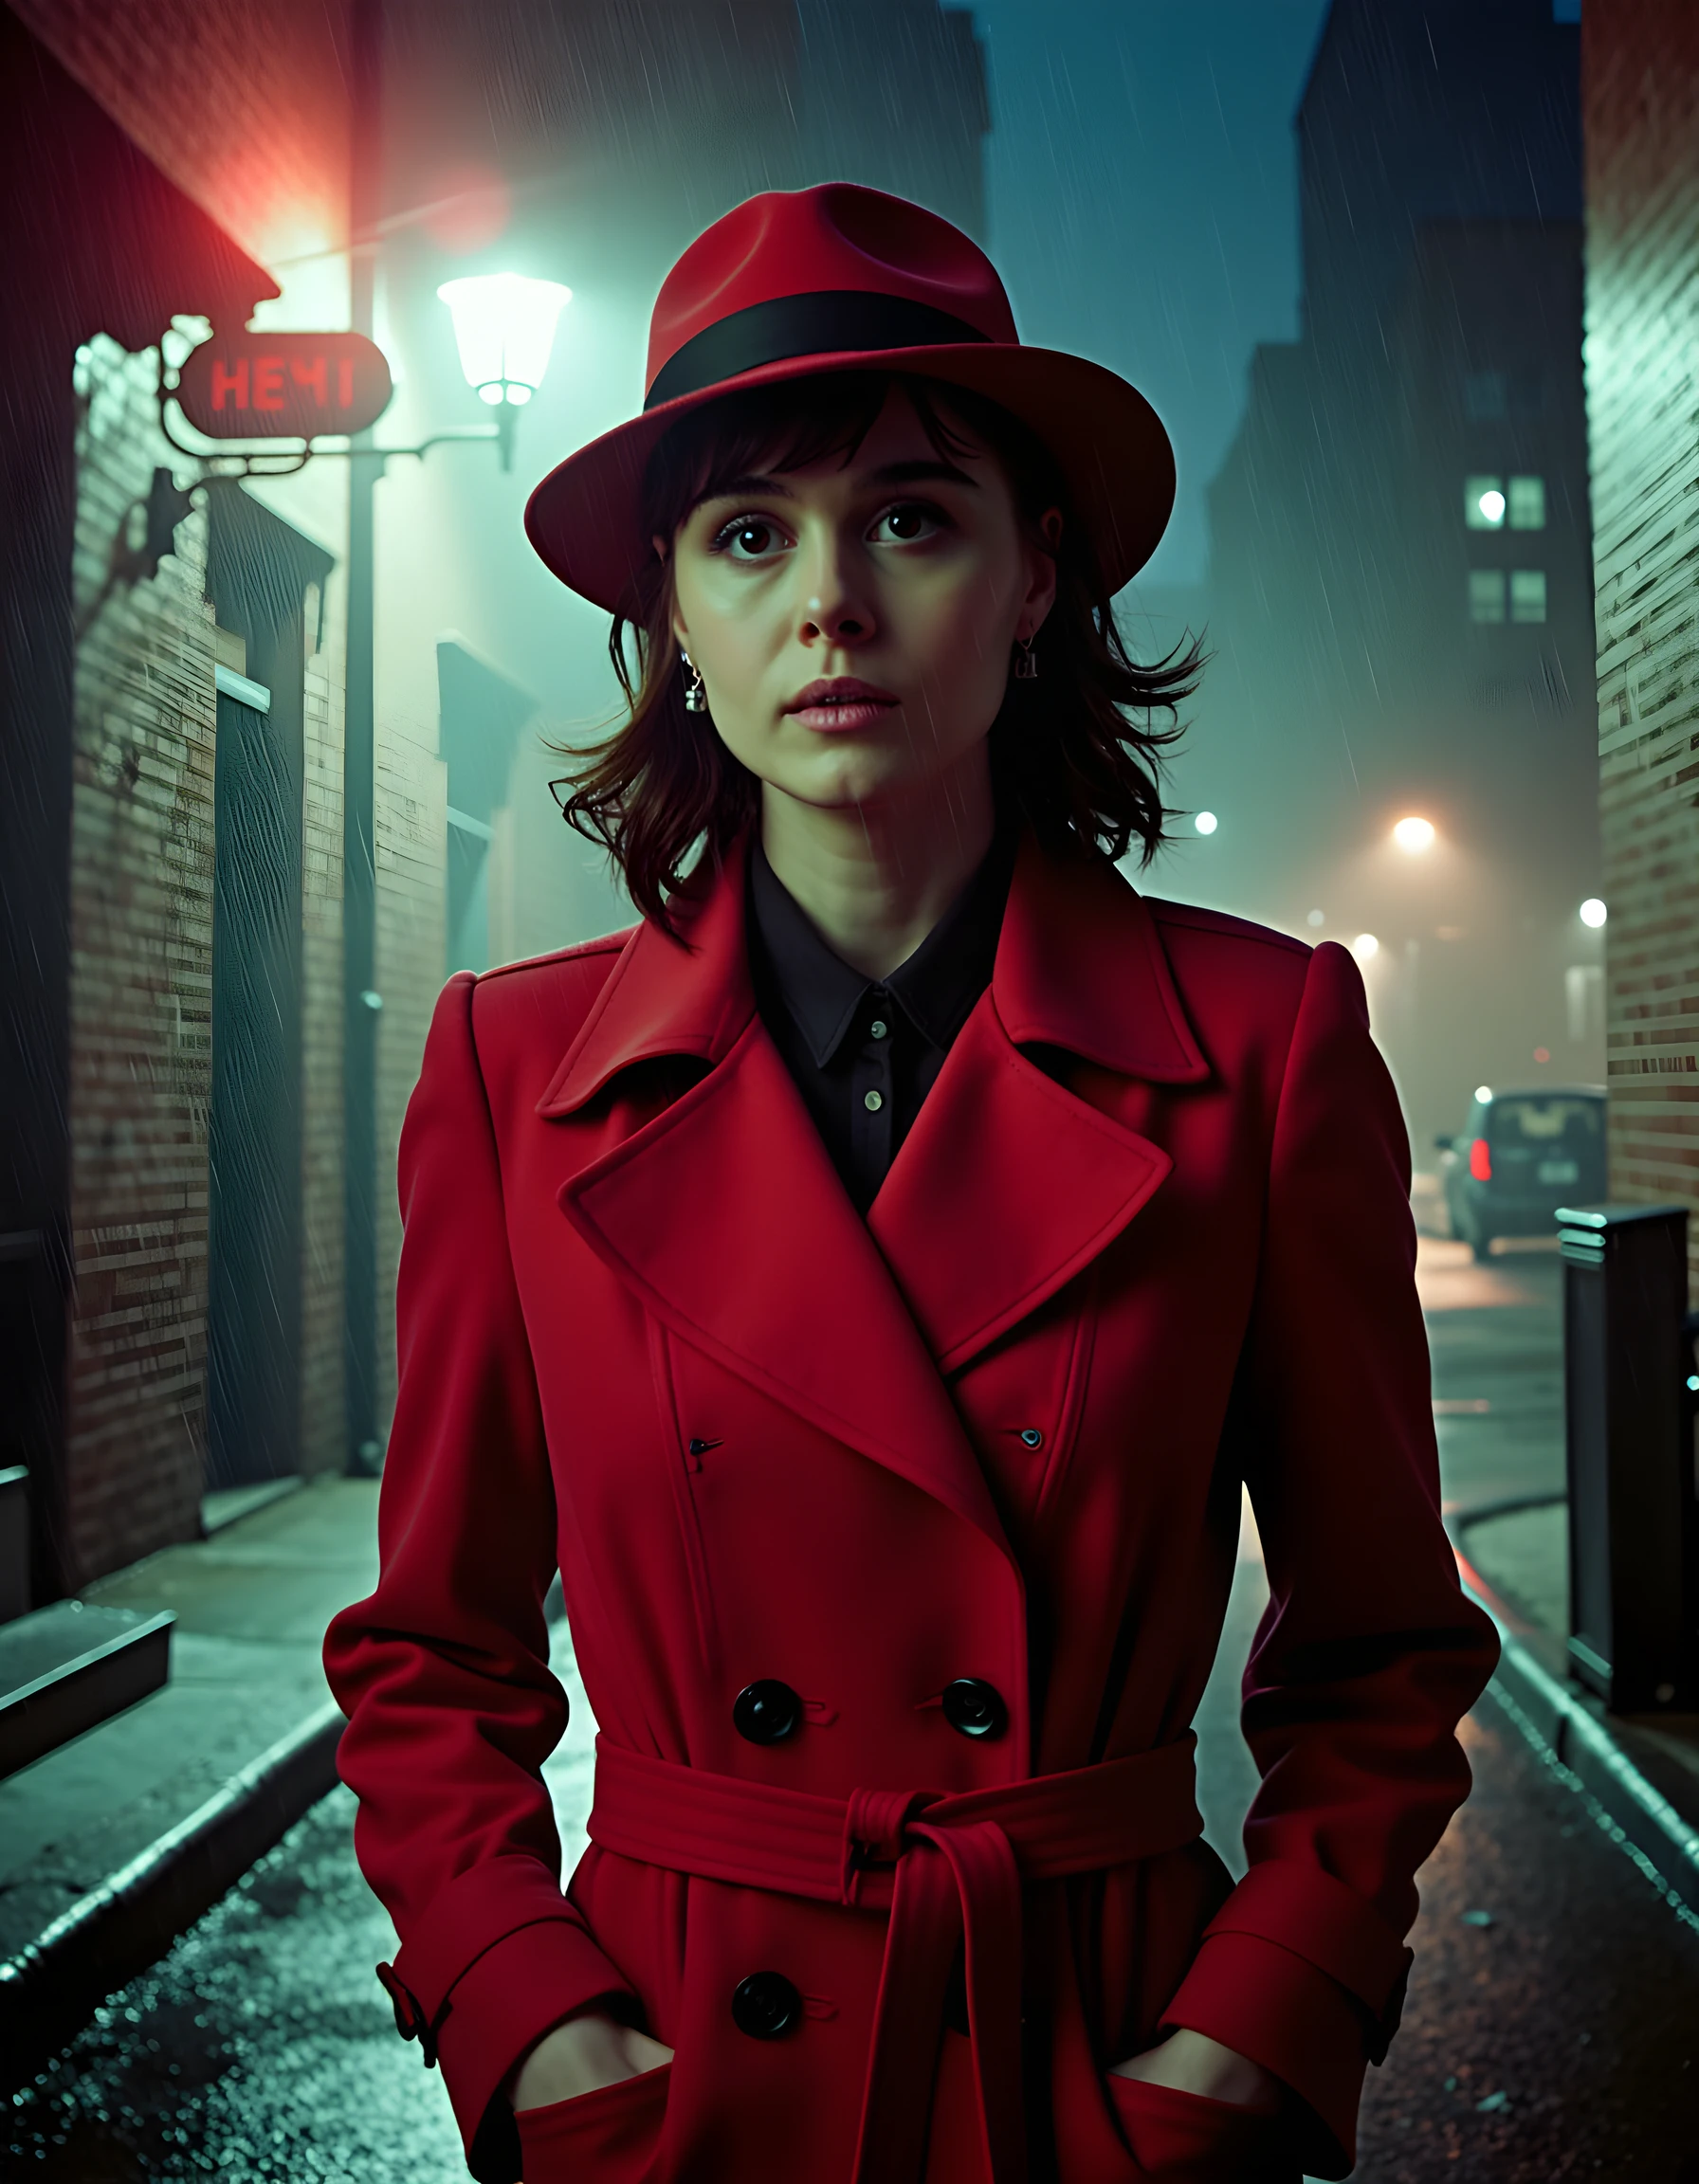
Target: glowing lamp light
<point>1483,1094</point>
<point>1593,912</point>
<point>504,330</point>
<point>1491,505</point>
<point>1364,946</point>
<point>1206,822</point>
<point>1413,835</point>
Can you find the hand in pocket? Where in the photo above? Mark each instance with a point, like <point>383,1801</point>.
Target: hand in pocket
<point>606,2136</point>
<point>1188,2139</point>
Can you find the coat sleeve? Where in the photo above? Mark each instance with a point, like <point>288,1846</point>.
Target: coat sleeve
<point>1369,1654</point>
<point>444,1671</point>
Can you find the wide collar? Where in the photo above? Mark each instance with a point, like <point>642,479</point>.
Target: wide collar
<point>1080,966</point>
<point>723,1213</point>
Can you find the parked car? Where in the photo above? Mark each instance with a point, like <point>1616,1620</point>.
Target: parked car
<point>1519,1157</point>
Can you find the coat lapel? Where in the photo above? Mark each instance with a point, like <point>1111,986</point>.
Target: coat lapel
<point>724,1214</point>
<point>1009,1184</point>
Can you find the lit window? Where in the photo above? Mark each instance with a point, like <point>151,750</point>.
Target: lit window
<point>1486,395</point>
<point>1527,503</point>
<point>1485,595</point>
<point>1527,596</point>
<point>1483,503</point>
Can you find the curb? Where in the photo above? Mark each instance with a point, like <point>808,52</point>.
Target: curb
<point>49,1991</point>
<point>1580,1746</point>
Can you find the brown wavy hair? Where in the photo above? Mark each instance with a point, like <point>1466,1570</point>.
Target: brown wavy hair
<point>1077,749</point>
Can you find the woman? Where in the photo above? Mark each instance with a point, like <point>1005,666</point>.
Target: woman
<point>870,1279</point>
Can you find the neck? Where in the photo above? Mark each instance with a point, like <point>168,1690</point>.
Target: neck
<point>874,879</point>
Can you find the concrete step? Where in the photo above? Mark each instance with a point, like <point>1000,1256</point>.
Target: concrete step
<point>65,1667</point>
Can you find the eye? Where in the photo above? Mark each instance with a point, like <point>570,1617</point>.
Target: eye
<point>746,537</point>
<point>911,520</point>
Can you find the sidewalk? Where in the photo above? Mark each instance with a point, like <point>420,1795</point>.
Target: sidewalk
<point>112,1844</point>
<point>1640,1771</point>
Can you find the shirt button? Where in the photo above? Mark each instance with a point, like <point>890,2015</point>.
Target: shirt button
<point>872,1101</point>
<point>879,1028</point>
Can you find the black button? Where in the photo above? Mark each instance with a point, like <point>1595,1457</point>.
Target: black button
<point>975,1708</point>
<point>766,2006</point>
<point>767,1712</point>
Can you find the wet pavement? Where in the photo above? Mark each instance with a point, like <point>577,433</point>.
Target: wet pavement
<point>1553,2025</point>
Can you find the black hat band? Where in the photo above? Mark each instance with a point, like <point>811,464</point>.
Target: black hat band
<point>817,324</point>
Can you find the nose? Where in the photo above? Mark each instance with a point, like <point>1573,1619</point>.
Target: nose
<point>835,610</point>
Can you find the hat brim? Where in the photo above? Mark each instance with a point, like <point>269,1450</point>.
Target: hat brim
<point>585,518</point>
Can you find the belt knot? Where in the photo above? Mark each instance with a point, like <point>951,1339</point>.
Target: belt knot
<point>876,1830</point>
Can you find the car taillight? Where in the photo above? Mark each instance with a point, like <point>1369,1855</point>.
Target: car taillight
<point>1480,1160</point>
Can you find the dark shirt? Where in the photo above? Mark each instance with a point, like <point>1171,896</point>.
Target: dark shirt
<point>864,1052</point>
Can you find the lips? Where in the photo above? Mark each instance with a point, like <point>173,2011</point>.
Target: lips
<point>841,702</point>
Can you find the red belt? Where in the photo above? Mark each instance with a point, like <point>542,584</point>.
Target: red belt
<point>949,1868</point>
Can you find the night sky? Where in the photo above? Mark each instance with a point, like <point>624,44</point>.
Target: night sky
<point>1142,190</point>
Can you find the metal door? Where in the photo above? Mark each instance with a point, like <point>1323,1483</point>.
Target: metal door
<point>253,1313</point>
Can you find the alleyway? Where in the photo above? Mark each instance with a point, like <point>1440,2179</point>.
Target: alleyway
<point>1553,2025</point>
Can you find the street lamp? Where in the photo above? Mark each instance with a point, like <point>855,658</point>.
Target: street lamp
<point>504,330</point>
<point>1593,911</point>
<point>1413,835</point>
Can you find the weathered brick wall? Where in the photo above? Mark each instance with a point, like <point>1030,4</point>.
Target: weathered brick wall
<point>141,989</point>
<point>1640,76</point>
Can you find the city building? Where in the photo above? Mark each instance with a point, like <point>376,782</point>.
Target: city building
<point>1400,579</point>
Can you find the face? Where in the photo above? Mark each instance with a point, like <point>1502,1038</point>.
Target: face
<point>903,577</point>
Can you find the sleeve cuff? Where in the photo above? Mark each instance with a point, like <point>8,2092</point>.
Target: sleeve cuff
<point>499,1957</point>
<point>1304,1976</point>
<point>515,1993</point>
<point>1262,2001</point>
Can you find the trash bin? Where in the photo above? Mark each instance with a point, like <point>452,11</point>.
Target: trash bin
<point>1634,1524</point>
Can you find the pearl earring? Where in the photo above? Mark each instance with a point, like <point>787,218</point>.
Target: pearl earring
<point>696,698</point>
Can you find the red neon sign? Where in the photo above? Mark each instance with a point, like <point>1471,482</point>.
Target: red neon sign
<point>283,386</point>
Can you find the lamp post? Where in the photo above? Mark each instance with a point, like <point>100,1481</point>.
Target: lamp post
<point>504,329</point>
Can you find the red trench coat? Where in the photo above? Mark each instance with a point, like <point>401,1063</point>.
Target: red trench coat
<point>1149,1236</point>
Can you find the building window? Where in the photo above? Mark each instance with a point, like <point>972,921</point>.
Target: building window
<point>1527,503</point>
<point>1486,395</point>
<point>1527,596</point>
<point>1483,503</point>
<point>1485,595</point>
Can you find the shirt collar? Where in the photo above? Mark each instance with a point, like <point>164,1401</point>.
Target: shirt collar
<point>936,987</point>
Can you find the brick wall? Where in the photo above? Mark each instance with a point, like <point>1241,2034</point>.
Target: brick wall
<point>142,986</point>
<point>1641,79</point>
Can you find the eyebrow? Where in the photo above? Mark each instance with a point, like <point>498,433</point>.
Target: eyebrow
<point>916,472</point>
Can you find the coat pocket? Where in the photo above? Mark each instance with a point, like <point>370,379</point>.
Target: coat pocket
<point>1181,2137</point>
<point>608,2137</point>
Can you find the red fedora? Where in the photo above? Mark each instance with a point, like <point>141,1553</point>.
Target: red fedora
<point>838,278</point>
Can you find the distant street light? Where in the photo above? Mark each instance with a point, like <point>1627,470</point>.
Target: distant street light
<point>1594,911</point>
<point>1413,835</point>
<point>1491,505</point>
<point>1364,946</point>
<point>1206,822</point>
